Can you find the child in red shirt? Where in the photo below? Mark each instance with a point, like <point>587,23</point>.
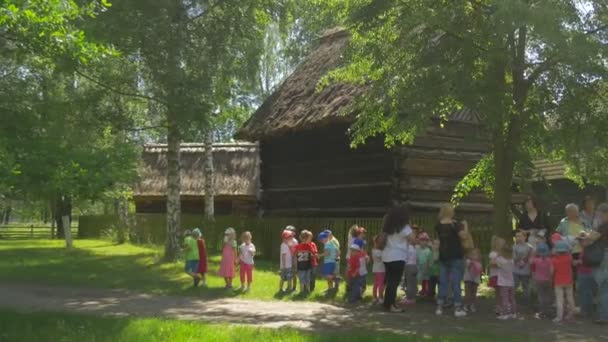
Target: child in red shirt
<point>357,270</point>
<point>305,254</point>
<point>562,281</point>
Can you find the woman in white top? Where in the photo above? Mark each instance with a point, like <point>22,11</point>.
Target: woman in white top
<point>398,234</point>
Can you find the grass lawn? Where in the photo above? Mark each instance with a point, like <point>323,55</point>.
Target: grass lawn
<point>99,263</point>
<point>81,328</point>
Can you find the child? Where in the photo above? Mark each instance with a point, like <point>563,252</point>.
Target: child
<point>563,281</point>
<point>336,244</point>
<point>425,259</point>
<point>411,275</point>
<point>353,233</point>
<point>202,255</point>
<point>229,257</point>
<point>246,254</point>
<point>497,245</point>
<point>585,283</point>
<point>379,270</point>
<point>522,252</point>
<point>472,279</point>
<point>191,256</point>
<point>292,247</point>
<point>286,262</point>
<point>542,271</point>
<point>357,270</point>
<point>305,253</point>
<point>505,282</point>
<point>434,270</point>
<point>330,253</point>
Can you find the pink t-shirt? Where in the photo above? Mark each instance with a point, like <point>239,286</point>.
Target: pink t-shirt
<point>541,268</point>
<point>505,272</point>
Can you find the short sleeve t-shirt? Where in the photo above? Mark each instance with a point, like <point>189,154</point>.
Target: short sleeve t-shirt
<point>332,250</point>
<point>450,247</point>
<point>247,252</point>
<point>304,256</point>
<point>411,258</point>
<point>424,255</point>
<point>562,269</point>
<point>542,268</point>
<point>377,264</point>
<point>493,269</point>
<point>315,251</point>
<point>521,254</point>
<point>397,246</point>
<point>505,272</point>
<point>287,255</point>
<point>192,252</point>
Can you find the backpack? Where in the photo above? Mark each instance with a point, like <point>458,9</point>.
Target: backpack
<point>381,243</point>
<point>593,255</point>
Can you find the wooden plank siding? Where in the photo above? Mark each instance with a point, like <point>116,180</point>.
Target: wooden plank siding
<point>318,173</point>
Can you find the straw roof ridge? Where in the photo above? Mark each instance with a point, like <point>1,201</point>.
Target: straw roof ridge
<point>236,170</point>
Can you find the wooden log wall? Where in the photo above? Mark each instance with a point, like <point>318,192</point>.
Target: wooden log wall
<point>196,205</point>
<point>317,173</point>
<point>428,170</point>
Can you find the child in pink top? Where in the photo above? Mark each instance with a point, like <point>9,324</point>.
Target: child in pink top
<point>506,283</point>
<point>542,270</point>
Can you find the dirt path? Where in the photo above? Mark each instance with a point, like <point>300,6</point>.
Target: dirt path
<point>302,315</point>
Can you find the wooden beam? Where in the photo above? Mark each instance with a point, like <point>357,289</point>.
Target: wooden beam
<point>331,187</point>
<point>433,167</point>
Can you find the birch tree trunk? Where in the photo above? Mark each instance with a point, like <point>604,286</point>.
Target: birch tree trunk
<point>67,231</point>
<point>209,181</point>
<point>173,187</point>
<point>123,218</point>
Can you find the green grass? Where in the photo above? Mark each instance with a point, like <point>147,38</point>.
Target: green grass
<point>99,263</point>
<point>18,327</point>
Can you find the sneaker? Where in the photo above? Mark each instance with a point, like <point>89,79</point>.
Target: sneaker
<point>557,321</point>
<point>197,280</point>
<point>513,316</point>
<point>439,310</point>
<point>395,309</point>
<point>408,301</point>
<point>504,317</point>
<point>460,313</point>
<point>247,289</point>
<point>472,308</point>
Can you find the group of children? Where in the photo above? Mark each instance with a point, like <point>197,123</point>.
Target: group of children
<point>195,253</point>
<point>527,262</point>
<point>534,265</point>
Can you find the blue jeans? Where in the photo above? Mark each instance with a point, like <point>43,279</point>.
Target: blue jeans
<point>585,285</point>
<point>603,303</point>
<point>356,288</point>
<point>450,275</point>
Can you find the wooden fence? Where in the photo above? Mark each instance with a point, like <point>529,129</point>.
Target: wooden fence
<point>29,232</point>
<point>151,228</point>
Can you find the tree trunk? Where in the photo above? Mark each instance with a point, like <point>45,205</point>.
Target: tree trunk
<point>173,188</point>
<point>53,211</point>
<point>209,181</point>
<point>501,219</point>
<point>67,231</point>
<point>123,218</point>
<point>63,208</point>
<point>7,213</point>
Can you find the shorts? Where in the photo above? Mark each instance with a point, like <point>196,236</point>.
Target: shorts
<point>328,269</point>
<point>191,266</point>
<point>304,276</point>
<point>286,274</point>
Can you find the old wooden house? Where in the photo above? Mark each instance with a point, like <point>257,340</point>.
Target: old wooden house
<point>554,190</point>
<point>236,179</point>
<point>309,169</point>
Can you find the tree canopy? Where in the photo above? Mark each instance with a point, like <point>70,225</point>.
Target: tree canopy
<point>528,67</point>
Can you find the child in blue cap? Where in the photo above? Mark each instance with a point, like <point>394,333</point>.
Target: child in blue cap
<point>330,253</point>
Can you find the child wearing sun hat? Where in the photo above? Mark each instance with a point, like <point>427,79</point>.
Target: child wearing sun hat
<point>563,281</point>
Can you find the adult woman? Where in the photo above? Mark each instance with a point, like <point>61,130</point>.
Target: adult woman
<point>451,258</point>
<point>570,229</point>
<point>600,273</point>
<point>532,219</point>
<point>588,215</point>
<point>398,236</point>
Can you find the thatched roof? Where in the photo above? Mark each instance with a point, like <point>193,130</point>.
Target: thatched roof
<point>297,104</point>
<point>236,170</point>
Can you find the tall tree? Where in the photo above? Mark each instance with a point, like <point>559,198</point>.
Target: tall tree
<point>194,56</point>
<point>518,63</point>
